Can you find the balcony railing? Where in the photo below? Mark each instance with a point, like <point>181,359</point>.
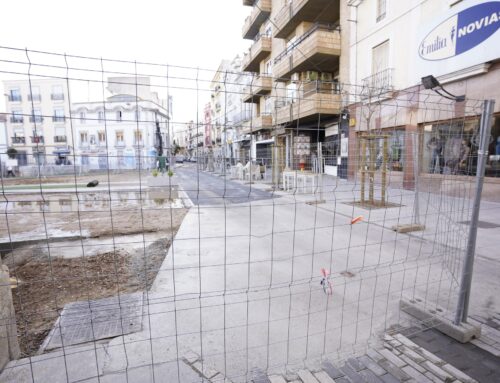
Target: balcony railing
<point>378,85</point>
<point>18,140</point>
<point>84,145</point>
<point>260,12</point>
<point>37,140</point>
<point>16,98</point>
<point>139,143</point>
<point>38,119</point>
<point>260,49</point>
<point>60,138</point>
<point>313,98</point>
<point>297,11</point>
<point>318,49</point>
<point>34,97</point>
<point>16,120</point>
<point>58,118</point>
<point>57,96</point>
<point>260,86</point>
<point>120,144</point>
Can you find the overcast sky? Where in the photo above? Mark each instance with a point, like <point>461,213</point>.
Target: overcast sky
<point>191,33</point>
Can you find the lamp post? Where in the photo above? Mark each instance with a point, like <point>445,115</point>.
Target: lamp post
<point>430,82</point>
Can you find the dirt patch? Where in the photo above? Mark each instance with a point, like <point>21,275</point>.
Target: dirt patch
<point>47,284</point>
<point>376,204</point>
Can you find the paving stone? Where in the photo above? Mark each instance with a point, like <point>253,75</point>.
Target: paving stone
<point>486,347</point>
<point>388,378</point>
<point>306,376</point>
<point>374,355</point>
<point>370,377</point>
<point>370,364</point>
<point>411,354</point>
<point>331,370</point>
<point>355,364</point>
<point>420,378</point>
<point>276,379</point>
<point>428,355</point>
<point>206,371</point>
<point>414,364</point>
<point>393,370</point>
<point>457,373</point>
<point>390,356</point>
<point>342,380</point>
<point>352,374</point>
<point>407,342</point>
<point>323,377</point>
<point>438,371</point>
<point>191,357</point>
<point>433,378</point>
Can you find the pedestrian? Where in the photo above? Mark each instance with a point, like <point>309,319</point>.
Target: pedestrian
<point>464,157</point>
<point>10,171</point>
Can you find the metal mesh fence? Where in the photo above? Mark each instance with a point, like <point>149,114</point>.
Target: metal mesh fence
<point>250,248</point>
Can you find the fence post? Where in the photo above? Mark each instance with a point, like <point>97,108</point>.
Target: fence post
<point>482,153</point>
<point>416,171</point>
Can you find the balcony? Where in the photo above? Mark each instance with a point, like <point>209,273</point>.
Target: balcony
<point>258,52</point>
<point>18,140</point>
<point>57,96</point>
<point>315,99</point>
<point>37,140</point>
<point>58,119</point>
<point>37,119</point>
<point>84,145</point>
<point>58,139</point>
<point>16,120</point>
<point>260,12</point>
<point>34,97</point>
<point>260,86</point>
<point>15,98</point>
<point>317,49</point>
<point>119,144</point>
<point>378,85</point>
<point>139,144</point>
<point>292,14</point>
<point>256,123</point>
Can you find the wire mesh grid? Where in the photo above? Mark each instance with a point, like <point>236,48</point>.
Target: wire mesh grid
<point>160,270</point>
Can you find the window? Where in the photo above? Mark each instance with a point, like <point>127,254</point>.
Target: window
<point>381,9</point>
<point>57,93</point>
<point>380,57</point>
<point>119,139</point>
<point>137,138</point>
<point>269,68</point>
<point>119,116</point>
<point>15,95</point>
<point>100,116</point>
<point>34,94</point>
<point>36,115</point>
<point>58,115</point>
<point>84,137</point>
<point>82,118</point>
<point>101,136</point>
<point>17,117</point>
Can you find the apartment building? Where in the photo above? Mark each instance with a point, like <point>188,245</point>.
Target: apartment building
<point>295,62</point>
<point>458,42</point>
<point>127,131</point>
<point>194,144</point>
<point>37,126</point>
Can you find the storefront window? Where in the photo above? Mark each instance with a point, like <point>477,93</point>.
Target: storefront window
<point>451,147</point>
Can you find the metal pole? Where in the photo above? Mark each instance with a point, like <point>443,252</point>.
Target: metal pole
<point>482,154</point>
<point>416,169</point>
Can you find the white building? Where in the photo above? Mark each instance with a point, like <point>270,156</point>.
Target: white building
<point>37,126</point>
<point>394,43</point>
<point>126,131</point>
<point>4,143</point>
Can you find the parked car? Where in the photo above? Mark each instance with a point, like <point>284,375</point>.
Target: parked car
<point>179,159</point>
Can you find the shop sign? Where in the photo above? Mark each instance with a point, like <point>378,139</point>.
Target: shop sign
<point>461,32</point>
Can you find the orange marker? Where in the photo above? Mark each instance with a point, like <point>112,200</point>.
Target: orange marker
<point>357,219</point>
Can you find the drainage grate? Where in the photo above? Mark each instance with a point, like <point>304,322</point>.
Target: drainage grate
<point>483,224</point>
<point>87,321</point>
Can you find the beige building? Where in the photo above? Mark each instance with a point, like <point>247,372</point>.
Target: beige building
<point>295,60</point>
<point>38,125</point>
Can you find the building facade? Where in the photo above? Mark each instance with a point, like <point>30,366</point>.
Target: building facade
<point>295,62</point>
<point>457,42</point>
<point>37,126</point>
<point>127,131</point>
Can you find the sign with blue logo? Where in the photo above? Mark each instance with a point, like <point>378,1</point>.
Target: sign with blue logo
<point>461,32</point>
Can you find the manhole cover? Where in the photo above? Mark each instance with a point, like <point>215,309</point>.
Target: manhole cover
<point>87,321</point>
<point>483,224</point>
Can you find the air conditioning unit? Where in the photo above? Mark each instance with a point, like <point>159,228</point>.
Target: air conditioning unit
<point>295,77</point>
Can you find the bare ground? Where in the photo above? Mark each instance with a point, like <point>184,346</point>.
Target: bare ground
<point>46,284</point>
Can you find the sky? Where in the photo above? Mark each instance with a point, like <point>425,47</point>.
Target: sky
<point>186,33</point>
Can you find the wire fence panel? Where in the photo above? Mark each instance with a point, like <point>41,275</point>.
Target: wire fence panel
<point>251,240</point>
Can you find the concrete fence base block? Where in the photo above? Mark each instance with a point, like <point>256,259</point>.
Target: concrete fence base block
<point>408,228</point>
<point>463,333</point>
<point>9,346</point>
